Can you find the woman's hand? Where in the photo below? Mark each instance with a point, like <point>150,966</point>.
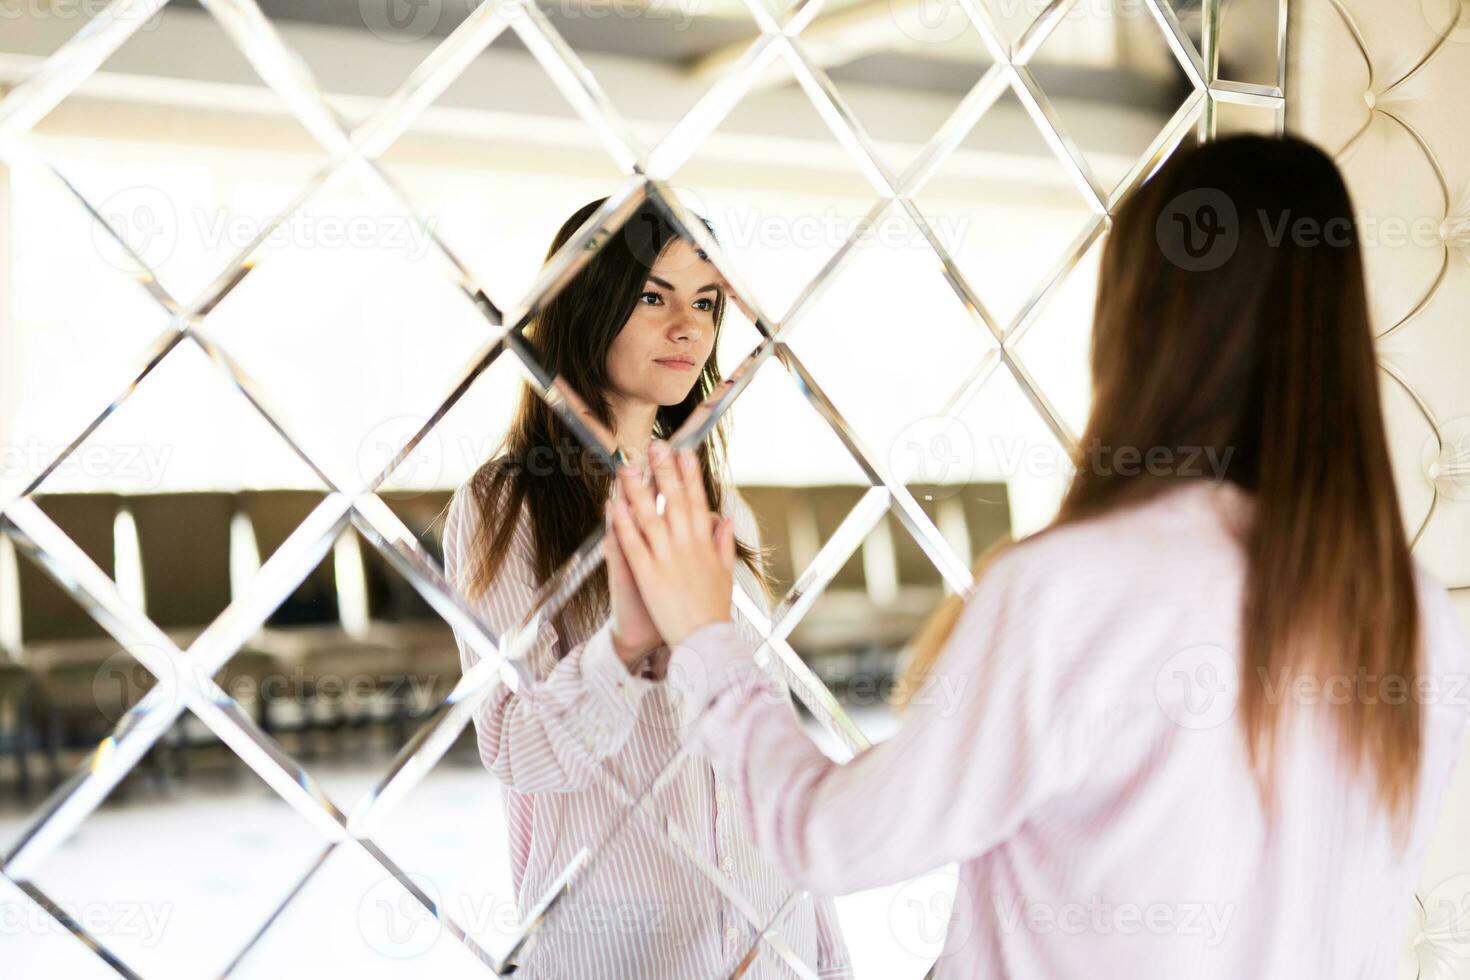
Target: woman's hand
<point>634,635</point>
<point>684,573</point>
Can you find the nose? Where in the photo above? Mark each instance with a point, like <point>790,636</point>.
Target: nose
<point>684,327</point>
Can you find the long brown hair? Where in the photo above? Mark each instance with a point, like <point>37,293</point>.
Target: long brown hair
<point>541,463</point>
<point>1231,315</point>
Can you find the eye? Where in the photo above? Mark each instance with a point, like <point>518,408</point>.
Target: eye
<point>656,296</point>
<point>710,304</point>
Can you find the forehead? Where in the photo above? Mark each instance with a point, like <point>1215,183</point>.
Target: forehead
<point>682,261</point>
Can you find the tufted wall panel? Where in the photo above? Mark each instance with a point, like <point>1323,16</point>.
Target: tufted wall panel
<point>1383,86</point>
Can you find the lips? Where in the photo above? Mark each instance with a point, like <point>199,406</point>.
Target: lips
<point>678,361</point>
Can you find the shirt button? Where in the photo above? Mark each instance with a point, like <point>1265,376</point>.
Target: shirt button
<point>726,863</point>
<point>731,934</point>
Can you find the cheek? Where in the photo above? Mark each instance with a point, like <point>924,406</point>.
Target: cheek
<point>628,355</point>
<point>620,370</point>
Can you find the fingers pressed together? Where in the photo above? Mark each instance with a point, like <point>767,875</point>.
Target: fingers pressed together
<point>676,476</point>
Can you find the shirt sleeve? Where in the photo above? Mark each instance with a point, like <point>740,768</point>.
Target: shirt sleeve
<point>549,737</point>
<point>834,962</point>
<point>981,744</point>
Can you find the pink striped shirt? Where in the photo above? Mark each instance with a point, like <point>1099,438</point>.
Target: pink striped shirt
<point>1079,756</point>
<point>640,909</point>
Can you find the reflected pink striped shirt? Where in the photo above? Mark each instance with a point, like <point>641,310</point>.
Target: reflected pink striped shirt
<point>1085,769</point>
<point>640,910</point>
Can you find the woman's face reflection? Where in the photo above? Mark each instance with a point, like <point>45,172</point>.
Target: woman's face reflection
<point>657,356</point>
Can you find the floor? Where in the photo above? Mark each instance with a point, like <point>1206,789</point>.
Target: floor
<point>176,880</point>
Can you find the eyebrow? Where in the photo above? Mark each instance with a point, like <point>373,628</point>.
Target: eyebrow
<point>702,289</point>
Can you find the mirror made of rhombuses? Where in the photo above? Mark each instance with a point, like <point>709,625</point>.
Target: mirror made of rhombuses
<point>325,328</point>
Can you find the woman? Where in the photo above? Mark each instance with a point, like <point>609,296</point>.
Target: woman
<point>634,335</point>
<point>1205,725</point>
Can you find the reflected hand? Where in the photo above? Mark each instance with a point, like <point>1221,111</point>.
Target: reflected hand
<point>633,633</point>
<point>684,573</point>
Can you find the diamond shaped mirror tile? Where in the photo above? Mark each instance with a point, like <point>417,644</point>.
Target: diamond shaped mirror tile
<point>813,195</point>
